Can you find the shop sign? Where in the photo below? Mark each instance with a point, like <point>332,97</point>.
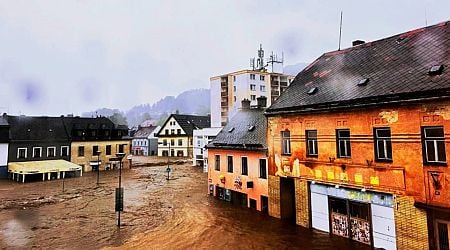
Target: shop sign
<point>237,182</point>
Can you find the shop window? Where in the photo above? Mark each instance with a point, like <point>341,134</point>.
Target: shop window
<point>81,151</point>
<point>217,163</point>
<point>108,149</point>
<point>51,151</point>
<point>433,145</point>
<point>37,152</point>
<point>172,152</point>
<point>263,168</point>
<point>22,153</point>
<point>165,153</point>
<point>311,143</point>
<point>244,165</point>
<point>230,164</point>
<point>286,142</point>
<point>343,143</point>
<point>383,144</point>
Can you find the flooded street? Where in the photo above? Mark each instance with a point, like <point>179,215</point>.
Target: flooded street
<point>159,214</point>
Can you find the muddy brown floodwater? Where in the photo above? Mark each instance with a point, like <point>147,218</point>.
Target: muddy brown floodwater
<point>159,214</point>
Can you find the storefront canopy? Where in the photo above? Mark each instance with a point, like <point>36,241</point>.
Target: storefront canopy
<point>40,167</point>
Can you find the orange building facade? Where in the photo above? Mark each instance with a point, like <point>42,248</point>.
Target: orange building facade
<point>419,191</point>
<point>358,144</point>
<point>247,188</point>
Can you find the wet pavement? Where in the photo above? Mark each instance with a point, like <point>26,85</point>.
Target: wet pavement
<point>159,214</point>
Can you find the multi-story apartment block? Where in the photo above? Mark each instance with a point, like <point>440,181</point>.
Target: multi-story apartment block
<point>358,143</point>
<point>175,138</point>
<point>228,90</point>
<point>238,159</point>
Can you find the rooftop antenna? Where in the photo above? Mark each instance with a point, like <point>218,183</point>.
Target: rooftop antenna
<point>340,32</point>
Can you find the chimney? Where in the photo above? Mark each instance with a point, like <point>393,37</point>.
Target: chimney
<point>245,104</point>
<point>358,42</point>
<point>262,101</point>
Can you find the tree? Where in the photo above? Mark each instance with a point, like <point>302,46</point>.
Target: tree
<point>119,119</point>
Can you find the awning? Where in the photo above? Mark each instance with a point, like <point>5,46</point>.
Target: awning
<point>39,167</point>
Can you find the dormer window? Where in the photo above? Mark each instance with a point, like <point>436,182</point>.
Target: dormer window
<point>363,82</point>
<point>312,90</point>
<point>436,70</point>
<point>251,128</point>
<point>231,130</point>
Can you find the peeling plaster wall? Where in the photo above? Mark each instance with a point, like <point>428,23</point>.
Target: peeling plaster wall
<point>405,175</point>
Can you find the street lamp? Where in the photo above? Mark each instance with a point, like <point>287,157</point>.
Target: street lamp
<point>119,191</point>
<point>168,166</point>
<point>98,166</point>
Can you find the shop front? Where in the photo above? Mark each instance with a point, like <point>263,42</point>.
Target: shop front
<point>360,215</point>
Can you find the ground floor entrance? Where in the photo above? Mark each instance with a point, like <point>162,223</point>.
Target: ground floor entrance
<point>363,216</point>
<point>287,199</point>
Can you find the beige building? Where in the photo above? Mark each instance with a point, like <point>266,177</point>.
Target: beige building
<point>84,154</point>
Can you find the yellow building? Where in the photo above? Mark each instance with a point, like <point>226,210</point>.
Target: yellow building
<point>84,154</point>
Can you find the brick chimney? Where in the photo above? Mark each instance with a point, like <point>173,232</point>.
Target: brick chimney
<point>262,101</point>
<point>245,104</point>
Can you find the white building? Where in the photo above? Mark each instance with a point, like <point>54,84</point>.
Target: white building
<point>201,138</point>
<point>227,91</point>
<point>145,141</point>
<point>4,140</point>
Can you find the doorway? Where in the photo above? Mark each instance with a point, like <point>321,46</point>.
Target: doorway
<point>443,229</point>
<point>265,204</point>
<point>287,199</point>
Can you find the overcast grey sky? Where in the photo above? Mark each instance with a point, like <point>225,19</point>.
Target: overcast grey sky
<point>59,57</point>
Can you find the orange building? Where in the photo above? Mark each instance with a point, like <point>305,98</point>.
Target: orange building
<point>238,159</point>
<point>358,144</point>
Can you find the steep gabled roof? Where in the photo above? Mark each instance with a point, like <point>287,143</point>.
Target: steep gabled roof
<point>144,132</point>
<point>245,130</point>
<point>189,122</point>
<point>397,69</point>
<point>37,128</point>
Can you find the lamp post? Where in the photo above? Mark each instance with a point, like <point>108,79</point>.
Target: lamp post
<point>98,166</point>
<point>119,191</point>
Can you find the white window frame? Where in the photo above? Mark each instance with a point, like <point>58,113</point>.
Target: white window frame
<point>62,150</point>
<point>262,77</point>
<point>40,155</point>
<point>252,97</point>
<point>434,140</point>
<point>311,151</point>
<point>217,168</point>
<point>232,164</point>
<point>286,143</point>
<point>259,168</point>
<point>244,156</point>
<point>252,77</point>
<point>262,88</point>
<point>385,141</point>
<point>340,138</point>
<point>253,87</point>
<point>54,153</point>
<point>18,153</point>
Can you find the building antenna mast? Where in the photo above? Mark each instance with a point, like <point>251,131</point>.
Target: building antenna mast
<point>340,32</point>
